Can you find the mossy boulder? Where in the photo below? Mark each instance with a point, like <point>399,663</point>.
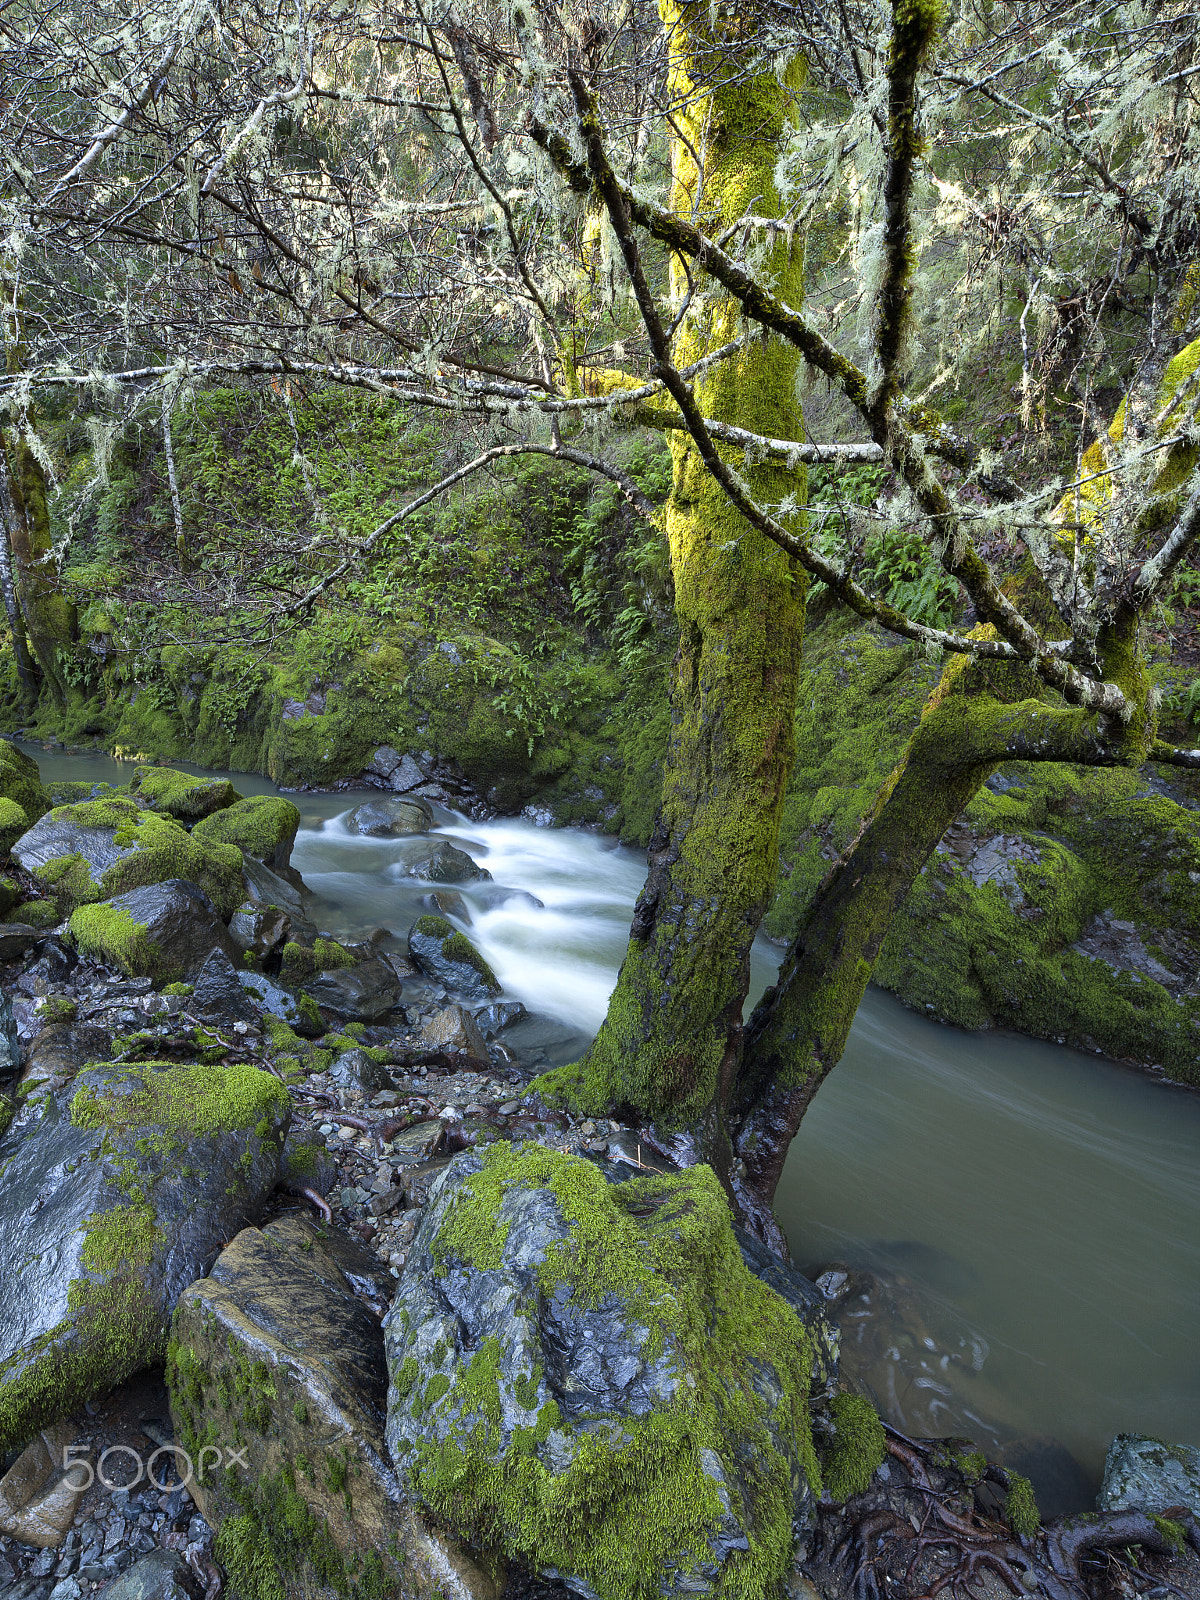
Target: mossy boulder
<point>10,893</point>
<point>586,1375</point>
<point>180,794</point>
<point>21,783</point>
<point>264,826</point>
<point>440,950</point>
<point>13,823</point>
<point>100,849</point>
<point>165,931</point>
<point>278,1354</point>
<point>163,1162</point>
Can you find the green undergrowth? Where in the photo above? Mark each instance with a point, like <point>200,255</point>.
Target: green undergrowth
<point>636,1497</point>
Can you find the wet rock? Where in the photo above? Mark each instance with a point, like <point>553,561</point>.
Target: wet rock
<point>180,794</point>
<point>361,993</point>
<point>417,1144</point>
<point>501,1014</point>
<point>161,1575</point>
<point>61,1051</point>
<point>16,938</point>
<point>388,818</point>
<point>116,1194</point>
<point>38,1498</point>
<point>805,1299</point>
<point>450,957</point>
<point>165,931</point>
<point>544,1312</point>
<point>354,1069</point>
<point>499,895</point>
<point>264,887</point>
<point>10,1052</point>
<point>441,862</point>
<point>20,782</point>
<point>1117,943</point>
<point>268,996</point>
<point>447,903</point>
<point>455,1029</point>
<point>219,996</point>
<point>540,816</point>
<point>259,930</point>
<point>263,826</point>
<point>306,1164</point>
<point>419,1182</point>
<point>281,1310</point>
<point>104,848</point>
<point>401,772</point>
<point>1148,1474</point>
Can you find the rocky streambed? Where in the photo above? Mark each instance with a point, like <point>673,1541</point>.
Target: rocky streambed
<point>420,1333</point>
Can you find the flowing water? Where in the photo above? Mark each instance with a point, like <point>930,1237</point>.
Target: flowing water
<point>1019,1223</point>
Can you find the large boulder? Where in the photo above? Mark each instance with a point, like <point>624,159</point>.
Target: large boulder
<point>180,795</point>
<point>444,953</point>
<point>21,784</point>
<point>361,993</point>
<point>264,826</point>
<point>585,1375</point>
<point>279,1355</point>
<point>388,818</point>
<point>95,851</point>
<point>117,1193</point>
<point>439,861</point>
<point>1148,1475</point>
<point>165,931</point>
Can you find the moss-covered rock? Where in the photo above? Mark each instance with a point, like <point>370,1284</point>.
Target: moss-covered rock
<point>180,794</point>
<point>103,848</point>
<point>165,931</point>
<point>164,1162</point>
<point>13,823</point>
<point>277,1357</point>
<point>587,1376</point>
<point>264,826</point>
<point>444,953</point>
<point>21,783</point>
<point>10,893</point>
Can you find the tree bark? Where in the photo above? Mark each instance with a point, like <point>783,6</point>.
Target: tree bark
<point>49,617</point>
<point>27,672</point>
<point>670,1045</point>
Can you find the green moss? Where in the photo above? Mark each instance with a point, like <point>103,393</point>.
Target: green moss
<point>10,893</point>
<point>1173,1532</point>
<point>182,989</point>
<point>13,823</point>
<point>858,1448</point>
<point>243,1548</point>
<point>263,826</point>
<point>633,1501</point>
<point>21,784</point>
<point>300,1412</point>
<point>189,1101</point>
<point>110,934</point>
<point>1021,1507</point>
<point>57,1008</point>
<point>181,795</point>
<point>328,954</point>
<point>37,913</point>
<point>297,964</point>
<point>459,948</point>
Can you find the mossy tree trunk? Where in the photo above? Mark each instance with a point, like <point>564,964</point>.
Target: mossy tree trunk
<point>50,618</point>
<point>979,716</point>
<point>671,1043</point>
<point>27,672</point>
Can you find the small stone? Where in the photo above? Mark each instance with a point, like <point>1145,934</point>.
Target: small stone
<point>510,1108</point>
<point>346,1133</point>
<point>325,1129</point>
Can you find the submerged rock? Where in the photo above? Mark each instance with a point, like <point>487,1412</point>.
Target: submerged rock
<point>165,931</point>
<point>1149,1475</point>
<point>442,862</point>
<point>264,826</point>
<point>387,818</point>
<point>444,953</point>
<point>117,1192</point>
<point>280,1352</point>
<point>586,1375</point>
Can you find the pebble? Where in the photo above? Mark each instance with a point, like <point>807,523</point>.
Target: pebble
<point>325,1129</point>
<point>346,1133</point>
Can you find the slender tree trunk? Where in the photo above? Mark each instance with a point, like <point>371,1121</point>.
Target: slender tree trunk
<point>27,672</point>
<point>49,617</point>
<point>798,1031</point>
<point>671,1042</point>
<point>172,481</point>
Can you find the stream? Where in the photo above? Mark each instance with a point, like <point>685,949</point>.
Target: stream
<point>1010,1229</point>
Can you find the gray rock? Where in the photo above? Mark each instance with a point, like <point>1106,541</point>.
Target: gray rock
<point>180,926</point>
<point>417,1144</point>
<point>406,776</point>
<point>454,1029</point>
<point>117,1192</point>
<point>1150,1475</point>
<point>384,761</point>
<point>10,1053</point>
<point>354,1069</point>
<point>259,929</point>
<point>582,1323</point>
<point>447,955</point>
<point>388,818</point>
<point>501,1014</point>
<point>1118,944</point>
<point>447,903</point>
<point>297,1308</point>
<point>62,1050</point>
<point>361,993</point>
<point>16,938</point>
<point>267,888</point>
<point>161,1575</point>
<point>267,995</point>
<point>499,895</point>
<point>55,836</point>
<point>219,996</point>
<point>439,861</point>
